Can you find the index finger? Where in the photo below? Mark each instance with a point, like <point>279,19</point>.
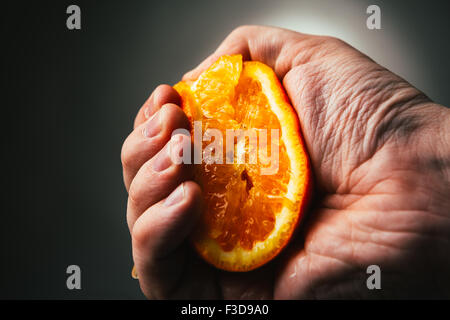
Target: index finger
<point>264,44</point>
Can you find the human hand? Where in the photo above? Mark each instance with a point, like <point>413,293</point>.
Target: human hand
<point>380,154</point>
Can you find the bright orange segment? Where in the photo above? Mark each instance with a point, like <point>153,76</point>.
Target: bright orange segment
<point>249,214</point>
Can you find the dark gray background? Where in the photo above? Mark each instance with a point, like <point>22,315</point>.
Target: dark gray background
<point>69,99</point>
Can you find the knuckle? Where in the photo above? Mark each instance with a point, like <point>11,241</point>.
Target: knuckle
<point>125,155</point>
<point>164,93</point>
<point>139,235</point>
<point>174,117</point>
<point>160,90</point>
<point>335,42</point>
<point>243,29</point>
<point>161,87</point>
<point>133,149</point>
<point>134,195</point>
<point>170,109</point>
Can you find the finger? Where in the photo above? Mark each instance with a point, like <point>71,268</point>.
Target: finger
<point>148,138</point>
<point>159,236</point>
<point>162,95</point>
<point>260,43</point>
<point>159,176</point>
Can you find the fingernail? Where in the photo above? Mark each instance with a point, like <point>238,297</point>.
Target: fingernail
<point>153,127</point>
<point>134,274</point>
<point>176,196</point>
<point>162,160</point>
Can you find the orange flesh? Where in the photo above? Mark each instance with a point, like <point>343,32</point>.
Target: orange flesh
<point>241,203</point>
<point>238,209</point>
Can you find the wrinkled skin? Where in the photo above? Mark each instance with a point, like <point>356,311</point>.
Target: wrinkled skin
<point>380,151</point>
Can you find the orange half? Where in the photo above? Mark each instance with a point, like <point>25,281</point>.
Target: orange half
<point>252,207</point>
